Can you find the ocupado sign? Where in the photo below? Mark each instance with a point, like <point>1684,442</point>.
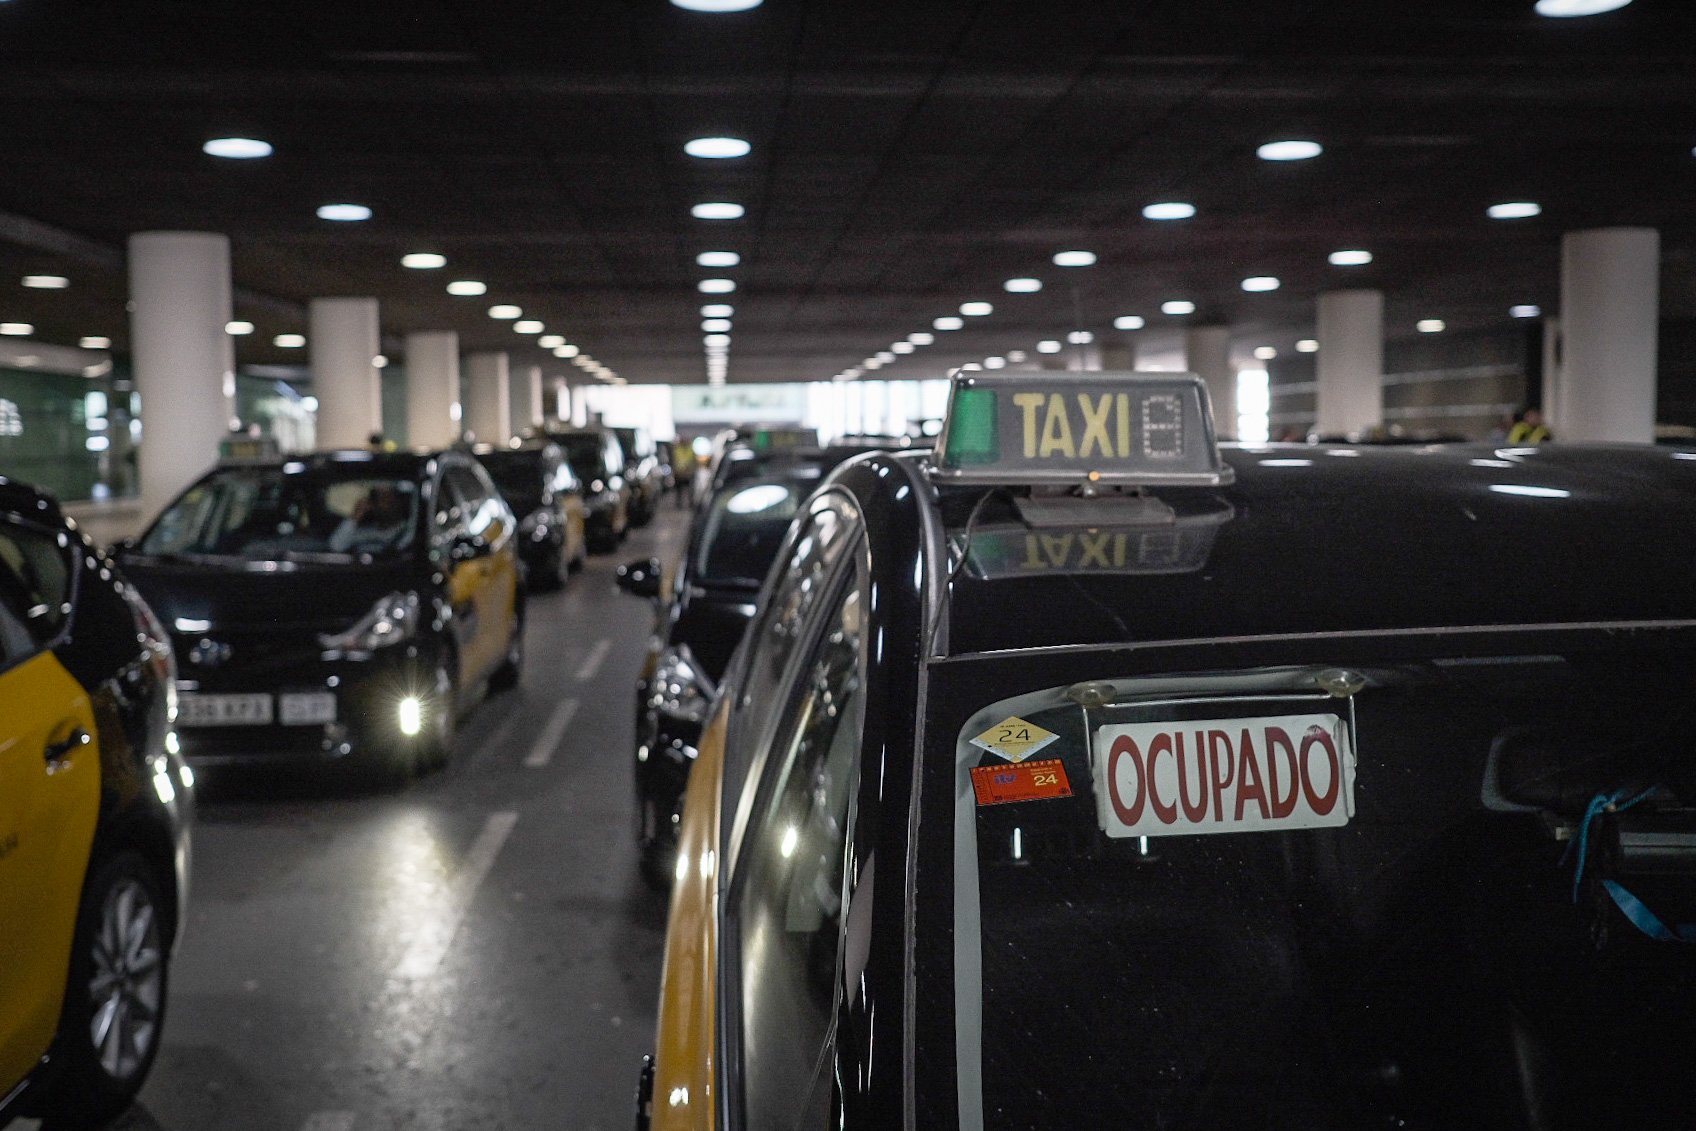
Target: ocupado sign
<point>1224,776</point>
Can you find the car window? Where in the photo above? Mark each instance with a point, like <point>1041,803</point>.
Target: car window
<point>35,589</point>
<point>478,500</point>
<point>788,887</point>
<point>743,530</point>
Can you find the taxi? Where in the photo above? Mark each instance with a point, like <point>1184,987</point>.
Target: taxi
<point>335,609</point>
<point>547,498</point>
<point>95,808</point>
<point>1088,773</point>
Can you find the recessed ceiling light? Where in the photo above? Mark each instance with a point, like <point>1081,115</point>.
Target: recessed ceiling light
<point>239,328</point>
<point>717,310</point>
<point>567,350</point>
<point>1526,311</point>
<point>343,212</point>
<point>995,363</point>
<point>289,341</point>
<point>1514,210</point>
<point>1565,8</point>
<point>423,260</point>
<point>237,148</point>
<point>1430,326</point>
<point>1017,357</point>
<point>1177,306</point>
<point>1022,286</point>
<point>1074,259</point>
<point>1307,345</point>
<point>886,357</point>
<point>1049,346</point>
<point>1292,150</point>
<point>976,309</point>
<point>16,329</point>
<point>718,259</point>
<point>717,210</point>
<point>948,322</point>
<point>505,311</point>
<point>717,147</point>
<point>1169,210</point>
<point>379,362</point>
<point>716,340</point>
<point>872,363</point>
<point>46,282</point>
<point>1264,353</point>
<point>922,338</point>
<point>971,367</point>
<point>95,342</point>
<point>551,341</point>
<point>528,326</point>
<point>467,287</point>
<point>716,5</point>
<point>716,286</point>
<point>1080,337</point>
<point>903,347</point>
<point>1353,257</point>
<point>1128,322</point>
<point>715,325</point>
<point>1257,283</point>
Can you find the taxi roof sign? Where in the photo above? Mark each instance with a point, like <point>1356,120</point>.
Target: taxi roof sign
<point>1108,427</point>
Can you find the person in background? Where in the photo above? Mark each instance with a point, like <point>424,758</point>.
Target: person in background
<point>1530,428</point>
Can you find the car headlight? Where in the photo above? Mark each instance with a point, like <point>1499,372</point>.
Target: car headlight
<point>392,620</point>
<point>529,523</point>
<point>679,689</point>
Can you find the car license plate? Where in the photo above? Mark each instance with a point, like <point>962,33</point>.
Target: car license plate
<point>196,710</point>
<point>306,708</point>
<point>1224,775</point>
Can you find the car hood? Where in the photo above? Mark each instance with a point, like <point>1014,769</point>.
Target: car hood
<point>201,597</point>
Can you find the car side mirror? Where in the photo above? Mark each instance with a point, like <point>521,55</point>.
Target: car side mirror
<point>466,547</point>
<point>640,578</point>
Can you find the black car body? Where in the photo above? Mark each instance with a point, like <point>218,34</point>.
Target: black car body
<point>547,497</point>
<point>597,458</point>
<point>305,634</point>
<point>95,809</point>
<point>1469,915</point>
<point>643,471</point>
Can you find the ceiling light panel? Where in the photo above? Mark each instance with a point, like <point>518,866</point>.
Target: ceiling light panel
<point>1290,150</point>
<point>717,210</point>
<point>717,148</point>
<point>237,148</point>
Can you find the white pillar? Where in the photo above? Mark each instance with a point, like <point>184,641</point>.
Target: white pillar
<point>343,337</point>
<point>1610,314</point>
<point>1551,372</point>
<point>525,398</point>
<point>432,388</point>
<point>1207,354</point>
<point>180,288</point>
<point>488,403</point>
<point>1350,387</point>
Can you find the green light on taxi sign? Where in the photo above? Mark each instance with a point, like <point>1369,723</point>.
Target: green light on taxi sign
<point>1124,428</point>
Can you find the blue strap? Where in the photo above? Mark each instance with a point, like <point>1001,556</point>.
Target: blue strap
<point>1645,920</point>
<point>1635,910</point>
<point>1614,802</point>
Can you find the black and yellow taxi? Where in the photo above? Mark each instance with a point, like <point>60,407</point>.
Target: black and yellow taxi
<point>95,808</point>
<point>547,498</point>
<point>340,607</point>
<point>1088,774</point>
<point>595,454</point>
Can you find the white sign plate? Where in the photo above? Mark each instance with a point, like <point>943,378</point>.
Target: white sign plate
<point>306,708</point>
<point>1224,775</point>
<point>196,710</point>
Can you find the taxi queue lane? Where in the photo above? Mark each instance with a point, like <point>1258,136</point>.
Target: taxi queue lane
<point>473,950</point>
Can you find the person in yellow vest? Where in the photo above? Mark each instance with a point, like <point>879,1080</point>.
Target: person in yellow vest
<point>1529,429</point>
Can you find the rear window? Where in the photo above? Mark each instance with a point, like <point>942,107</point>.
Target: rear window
<point>744,528</point>
<point>1415,947</point>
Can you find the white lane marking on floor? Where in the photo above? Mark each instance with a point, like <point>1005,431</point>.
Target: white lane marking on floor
<point>542,753</point>
<point>328,1121</point>
<point>592,663</point>
<point>431,943</point>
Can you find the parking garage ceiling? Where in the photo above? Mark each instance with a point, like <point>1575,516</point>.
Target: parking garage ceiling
<point>907,156</point>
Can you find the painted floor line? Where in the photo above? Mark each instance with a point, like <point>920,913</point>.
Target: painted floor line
<point>431,944</point>
<point>328,1121</point>
<point>542,753</point>
<point>592,663</point>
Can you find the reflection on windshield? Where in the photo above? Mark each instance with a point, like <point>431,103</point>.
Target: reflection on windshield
<point>265,515</point>
<point>743,531</point>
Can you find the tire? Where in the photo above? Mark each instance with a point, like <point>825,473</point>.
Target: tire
<point>114,1011</point>
<point>434,751</point>
<point>506,677</point>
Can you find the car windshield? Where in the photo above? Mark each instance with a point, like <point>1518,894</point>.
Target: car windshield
<point>1232,900</point>
<point>271,513</point>
<point>518,475</point>
<point>744,526</point>
<point>586,453</point>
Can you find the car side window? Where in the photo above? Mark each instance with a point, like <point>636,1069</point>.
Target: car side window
<point>788,889</point>
<point>479,503</point>
<point>35,589</point>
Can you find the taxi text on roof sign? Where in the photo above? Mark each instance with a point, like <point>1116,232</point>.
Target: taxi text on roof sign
<point>1130,428</point>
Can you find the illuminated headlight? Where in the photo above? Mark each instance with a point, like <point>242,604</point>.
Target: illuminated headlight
<point>679,689</point>
<point>410,715</point>
<point>392,620</point>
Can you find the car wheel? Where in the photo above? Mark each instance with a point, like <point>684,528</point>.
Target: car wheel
<point>114,1006</point>
<point>506,677</point>
<point>437,746</point>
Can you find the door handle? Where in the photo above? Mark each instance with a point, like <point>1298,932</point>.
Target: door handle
<point>59,751</point>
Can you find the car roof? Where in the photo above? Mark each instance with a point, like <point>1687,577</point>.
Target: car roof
<point>1318,539</point>
<point>399,463</point>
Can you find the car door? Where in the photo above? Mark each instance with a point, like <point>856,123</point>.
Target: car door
<point>49,793</point>
<point>490,573</point>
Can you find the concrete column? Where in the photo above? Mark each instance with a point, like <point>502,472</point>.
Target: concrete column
<point>1207,354</point>
<point>432,388</point>
<point>1610,314</point>
<point>343,338</point>
<point>561,399</point>
<point>180,290</point>
<point>1551,373</point>
<point>1350,387</point>
<point>488,398</point>
<point>1119,355</point>
<point>525,397</point>
<point>1083,359</point>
